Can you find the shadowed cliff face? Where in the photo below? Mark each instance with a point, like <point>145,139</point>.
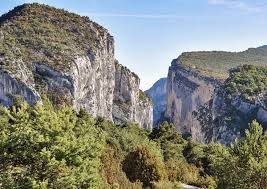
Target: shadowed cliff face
<point>71,60</point>
<point>187,91</point>
<point>159,98</point>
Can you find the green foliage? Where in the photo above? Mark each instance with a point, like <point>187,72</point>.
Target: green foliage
<point>247,81</point>
<point>47,147</point>
<point>179,170</point>
<point>112,171</point>
<point>170,141</point>
<point>244,164</point>
<point>43,146</point>
<point>185,161</point>
<point>217,63</point>
<point>121,141</point>
<point>53,147</point>
<point>144,166</point>
<point>127,137</point>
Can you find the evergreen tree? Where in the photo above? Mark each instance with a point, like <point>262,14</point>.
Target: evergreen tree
<point>244,164</point>
<point>47,147</point>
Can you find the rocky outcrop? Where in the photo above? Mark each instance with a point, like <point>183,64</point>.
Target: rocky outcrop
<point>85,76</point>
<point>158,95</point>
<point>128,103</point>
<point>9,87</point>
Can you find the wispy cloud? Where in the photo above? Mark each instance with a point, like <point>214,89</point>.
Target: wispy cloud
<point>143,16</point>
<point>239,4</point>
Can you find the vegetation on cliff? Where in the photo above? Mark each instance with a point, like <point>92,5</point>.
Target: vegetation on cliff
<point>217,63</point>
<point>40,33</point>
<point>249,82</point>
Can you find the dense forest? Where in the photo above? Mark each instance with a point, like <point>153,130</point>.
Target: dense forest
<point>47,146</point>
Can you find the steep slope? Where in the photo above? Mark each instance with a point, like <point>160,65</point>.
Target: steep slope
<point>69,58</point>
<point>157,93</point>
<point>197,98</point>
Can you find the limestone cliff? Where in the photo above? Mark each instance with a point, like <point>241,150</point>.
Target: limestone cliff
<point>70,59</point>
<point>157,93</point>
<point>128,102</point>
<point>198,103</point>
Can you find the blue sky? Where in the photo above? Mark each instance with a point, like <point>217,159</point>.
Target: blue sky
<point>150,33</point>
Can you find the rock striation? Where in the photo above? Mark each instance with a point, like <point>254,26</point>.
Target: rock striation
<point>70,59</point>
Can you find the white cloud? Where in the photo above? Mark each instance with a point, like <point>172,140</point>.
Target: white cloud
<point>239,4</point>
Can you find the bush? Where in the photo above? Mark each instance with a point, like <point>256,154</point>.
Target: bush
<point>112,171</point>
<point>181,171</point>
<point>144,166</point>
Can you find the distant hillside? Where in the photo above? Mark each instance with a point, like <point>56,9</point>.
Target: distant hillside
<point>158,95</point>
<point>263,46</point>
<point>217,63</point>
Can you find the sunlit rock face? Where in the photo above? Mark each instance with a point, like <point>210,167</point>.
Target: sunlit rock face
<point>128,102</point>
<point>71,60</point>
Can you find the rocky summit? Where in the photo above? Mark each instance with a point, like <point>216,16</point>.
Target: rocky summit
<point>50,52</point>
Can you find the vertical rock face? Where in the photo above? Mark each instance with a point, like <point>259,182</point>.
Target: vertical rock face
<point>128,104</point>
<point>94,80</point>
<point>10,86</point>
<point>202,107</point>
<point>158,95</point>
<point>187,91</point>
<point>88,84</point>
<point>71,60</point>
<point>144,114</point>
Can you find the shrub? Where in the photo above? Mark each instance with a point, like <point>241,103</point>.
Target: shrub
<point>112,171</point>
<point>144,166</point>
<point>181,171</point>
